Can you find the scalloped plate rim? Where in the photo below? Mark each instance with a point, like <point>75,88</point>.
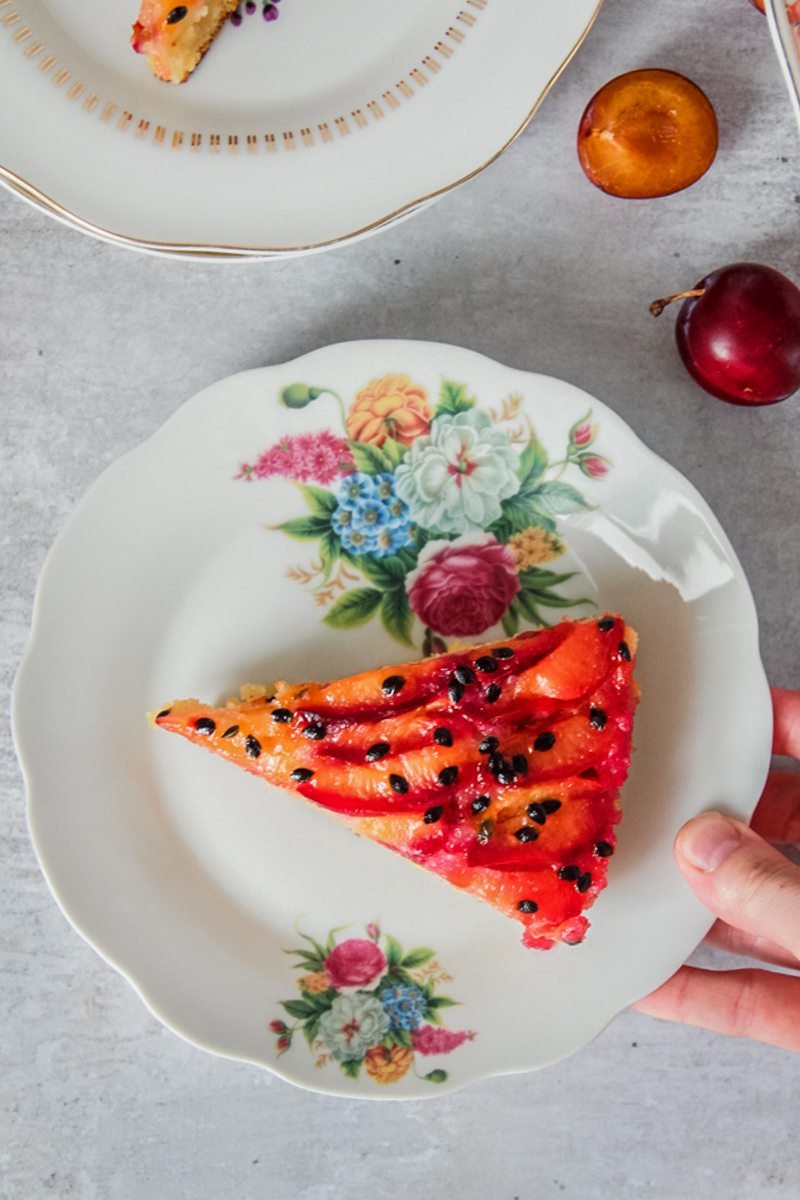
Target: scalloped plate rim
<point>786,48</point>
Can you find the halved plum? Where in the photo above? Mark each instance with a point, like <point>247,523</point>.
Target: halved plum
<point>647,133</point>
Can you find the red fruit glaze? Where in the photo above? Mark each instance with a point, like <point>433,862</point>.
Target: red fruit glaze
<point>563,725</point>
<point>740,340</point>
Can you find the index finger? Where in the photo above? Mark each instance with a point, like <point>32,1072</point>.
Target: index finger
<point>786,735</point>
<point>745,1003</point>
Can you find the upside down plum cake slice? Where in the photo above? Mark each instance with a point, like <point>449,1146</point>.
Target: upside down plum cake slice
<point>497,767</point>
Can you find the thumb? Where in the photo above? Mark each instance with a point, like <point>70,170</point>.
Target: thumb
<point>741,878</point>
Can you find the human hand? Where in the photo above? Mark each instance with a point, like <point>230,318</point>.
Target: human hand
<point>754,891</point>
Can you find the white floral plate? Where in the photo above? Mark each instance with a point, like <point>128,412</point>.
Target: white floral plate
<point>292,135</point>
<point>211,556</point>
<point>784,23</point>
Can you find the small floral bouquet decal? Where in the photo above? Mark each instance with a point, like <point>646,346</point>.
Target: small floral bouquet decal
<point>365,1003</point>
<point>441,512</point>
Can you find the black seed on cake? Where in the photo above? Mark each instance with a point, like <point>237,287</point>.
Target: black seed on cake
<point>393,684</point>
<point>526,834</point>
<point>597,718</point>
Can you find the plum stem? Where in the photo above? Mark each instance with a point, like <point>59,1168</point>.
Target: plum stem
<point>658,306</point>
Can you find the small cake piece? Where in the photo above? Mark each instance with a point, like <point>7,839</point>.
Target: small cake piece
<point>497,767</point>
<point>176,36</point>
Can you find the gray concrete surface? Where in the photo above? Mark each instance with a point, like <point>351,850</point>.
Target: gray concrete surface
<point>535,267</point>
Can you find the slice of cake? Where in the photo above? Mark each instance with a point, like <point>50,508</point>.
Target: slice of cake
<point>176,36</point>
<point>498,768</point>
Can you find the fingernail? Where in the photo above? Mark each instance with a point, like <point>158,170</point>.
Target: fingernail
<point>708,840</point>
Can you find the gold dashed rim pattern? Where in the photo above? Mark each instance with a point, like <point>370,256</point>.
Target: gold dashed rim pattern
<point>227,252</point>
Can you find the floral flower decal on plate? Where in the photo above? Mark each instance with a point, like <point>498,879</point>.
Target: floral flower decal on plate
<point>443,512</point>
<point>368,1004</point>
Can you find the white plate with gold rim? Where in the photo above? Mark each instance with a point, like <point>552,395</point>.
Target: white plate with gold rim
<point>184,253</point>
<point>173,578</point>
<point>294,134</point>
